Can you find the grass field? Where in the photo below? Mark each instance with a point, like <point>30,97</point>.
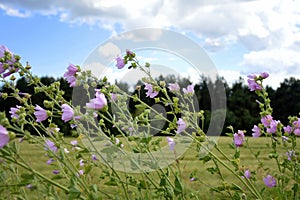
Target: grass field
<point>188,163</point>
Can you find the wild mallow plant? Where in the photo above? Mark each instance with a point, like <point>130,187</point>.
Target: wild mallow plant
<point>134,163</point>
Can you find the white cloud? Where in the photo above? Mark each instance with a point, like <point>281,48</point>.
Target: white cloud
<point>109,51</point>
<point>14,12</point>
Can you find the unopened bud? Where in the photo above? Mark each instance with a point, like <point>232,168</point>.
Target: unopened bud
<point>28,67</point>
<point>12,78</point>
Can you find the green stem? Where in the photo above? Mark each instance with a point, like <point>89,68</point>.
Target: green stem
<point>253,191</point>
<point>38,174</point>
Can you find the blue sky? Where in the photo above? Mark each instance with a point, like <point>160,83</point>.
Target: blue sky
<point>240,37</point>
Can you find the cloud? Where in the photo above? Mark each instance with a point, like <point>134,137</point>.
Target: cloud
<point>14,12</point>
<point>109,51</point>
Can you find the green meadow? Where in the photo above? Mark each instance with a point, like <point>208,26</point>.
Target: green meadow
<point>188,163</point>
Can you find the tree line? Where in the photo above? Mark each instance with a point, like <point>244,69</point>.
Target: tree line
<point>241,108</point>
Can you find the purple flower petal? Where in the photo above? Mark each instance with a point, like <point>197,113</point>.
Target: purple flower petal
<point>150,93</point>
<point>189,90</point>
<point>171,143</point>
<point>50,146</point>
<point>247,173</point>
<point>174,87</point>
<point>270,181</point>
<point>181,125</point>
<point>120,62</point>
<point>40,114</point>
<point>256,131</point>
<point>239,138</point>
<point>68,112</point>
<point>97,103</point>
<point>4,138</point>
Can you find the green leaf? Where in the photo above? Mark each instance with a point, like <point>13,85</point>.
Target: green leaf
<point>140,106</point>
<point>162,182</point>
<point>27,176</point>
<point>178,186</point>
<point>212,170</point>
<point>257,154</point>
<point>237,153</point>
<point>205,159</point>
<point>73,193</point>
<point>142,185</point>
<point>111,182</point>
<point>57,177</point>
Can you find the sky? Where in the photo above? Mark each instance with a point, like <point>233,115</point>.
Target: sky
<point>237,37</point>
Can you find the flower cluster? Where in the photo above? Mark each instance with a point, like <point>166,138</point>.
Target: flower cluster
<point>253,81</point>
<point>71,74</point>
<point>8,62</point>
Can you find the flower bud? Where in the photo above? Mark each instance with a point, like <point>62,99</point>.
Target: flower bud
<point>4,95</point>
<point>28,67</point>
<point>12,78</point>
<point>11,135</point>
<point>104,79</point>
<point>162,83</point>
<point>94,84</point>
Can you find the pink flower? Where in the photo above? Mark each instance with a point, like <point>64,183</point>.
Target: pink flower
<point>120,62</point>
<point>68,112</point>
<point>266,121</point>
<point>264,75</point>
<point>40,114</point>
<point>181,125</point>
<point>171,143</point>
<point>174,87</point>
<point>296,126</point>
<point>81,172</point>
<point>252,84</point>
<point>4,138</point>
<point>189,89</point>
<point>81,162</point>
<point>55,172</point>
<point>113,97</point>
<point>287,129</point>
<point>193,179</point>
<point>256,131</point>
<point>94,157</point>
<point>70,75</point>
<point>74,142</point>
<point>150,93</point>
<point>4,49</point>
<point>273,126</point>
<point>51,160</point>
<point>9,60</point>
<point>270,181</point>
<point>247,173</point>
<point>50,146</point>
<point>239,138</point>
<point>97,103</point>
<point>13,111</point>
<point>291,154</point>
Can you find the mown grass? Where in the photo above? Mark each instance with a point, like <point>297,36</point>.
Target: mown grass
<point>188,162</point>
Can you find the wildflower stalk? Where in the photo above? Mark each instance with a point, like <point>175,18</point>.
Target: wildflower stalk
<point>250,188</point>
